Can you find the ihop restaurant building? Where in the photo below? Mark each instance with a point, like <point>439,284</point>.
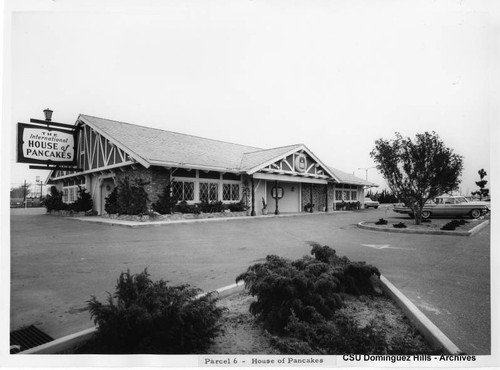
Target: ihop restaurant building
<point>202,169</point>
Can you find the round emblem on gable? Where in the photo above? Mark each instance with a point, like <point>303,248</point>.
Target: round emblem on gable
<point>300,163</point>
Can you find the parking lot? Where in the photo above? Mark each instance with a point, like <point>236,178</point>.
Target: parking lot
<point>57,264</point>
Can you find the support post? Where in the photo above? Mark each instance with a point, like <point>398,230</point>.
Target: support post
<point>276,212</point>
<point>311,191</point>
<point>253,199</point>
<point>326,197</point>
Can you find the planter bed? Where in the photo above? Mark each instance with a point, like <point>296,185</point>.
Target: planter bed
<point>173,217</point>
<point>242,334</point>
<point>71,213</point>
<point>434,226</point>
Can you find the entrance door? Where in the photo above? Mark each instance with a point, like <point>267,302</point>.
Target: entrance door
<point>107,187</point>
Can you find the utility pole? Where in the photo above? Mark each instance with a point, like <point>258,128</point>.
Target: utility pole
<point>24,195</point>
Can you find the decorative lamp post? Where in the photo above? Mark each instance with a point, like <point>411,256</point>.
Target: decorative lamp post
<point>48,114</point>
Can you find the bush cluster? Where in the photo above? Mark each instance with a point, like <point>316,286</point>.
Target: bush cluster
<point>300,301</point>
<point>349,206</point>
<point>166,202</point>
<point>381,222</point>
<point>127,198</point>
<point>309,288</point>
<point>453,224</point>
<point>401,225</point>
<point>143,316</point>
<point>209,207</point>
<point>54,202</point>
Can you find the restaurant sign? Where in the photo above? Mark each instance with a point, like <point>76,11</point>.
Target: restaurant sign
<point>37,144</point>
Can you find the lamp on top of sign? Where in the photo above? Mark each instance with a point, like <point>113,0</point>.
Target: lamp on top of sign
<point>36,144</point>
<point>277,192</point>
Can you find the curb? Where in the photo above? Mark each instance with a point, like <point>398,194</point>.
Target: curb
<point>138,224</point>
<point>471,232</point>
<point>430,331</point>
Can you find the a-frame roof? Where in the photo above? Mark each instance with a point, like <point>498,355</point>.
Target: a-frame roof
<point>150,146</point>
<point>160,147</point>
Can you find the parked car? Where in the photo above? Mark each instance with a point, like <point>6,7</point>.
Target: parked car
<point>371,203</point>
<point>449,206</point>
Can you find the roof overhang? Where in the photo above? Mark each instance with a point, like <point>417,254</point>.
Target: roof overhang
<point>288,178</point>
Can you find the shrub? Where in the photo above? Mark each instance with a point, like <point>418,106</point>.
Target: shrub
<point>132,199</point>
<point>401,225</point>
<point>309,288</point>
<point>237,207</point>
<point>84,201</point>
<point>183,207</point>
<point>165,203</point>
<point>381,222</point>
<point>111,202</point>
<point>54,202</point>
<point>453,224</point>
<point>212,207</point>
<point>333,337</point>
<point>143,316</point>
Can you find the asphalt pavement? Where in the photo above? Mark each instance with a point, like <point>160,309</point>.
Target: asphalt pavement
<point>57,264</point>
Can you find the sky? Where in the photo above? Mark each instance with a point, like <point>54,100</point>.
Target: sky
<point>333,75</point>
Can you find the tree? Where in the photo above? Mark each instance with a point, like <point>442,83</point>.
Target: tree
<point>132,199</point>
<point>20,191</point>
<point>53,201</point>
<point>166,202</point>
<point>419,170</point>
<point>84,202</point>
<point>482,192</point>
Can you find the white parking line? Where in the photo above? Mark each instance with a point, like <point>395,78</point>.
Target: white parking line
<point>385,246</point>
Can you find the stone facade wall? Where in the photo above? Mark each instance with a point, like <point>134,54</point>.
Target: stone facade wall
<point>155,179</point>
<point>319,196</point>
<point>141,173</point>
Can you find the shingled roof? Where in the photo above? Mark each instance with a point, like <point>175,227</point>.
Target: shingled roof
<point>161,147</point>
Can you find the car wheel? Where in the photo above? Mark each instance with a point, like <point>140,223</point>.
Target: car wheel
<point>411,215</point>
<point>426,215</point>
<point>475,213</point>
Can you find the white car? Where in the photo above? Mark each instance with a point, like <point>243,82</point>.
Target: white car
<point>371,203</point>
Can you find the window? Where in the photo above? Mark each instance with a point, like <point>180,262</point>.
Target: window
<point>70,189</point>
<point>230,191</point>
<point>354,195</point>
<point>183,190</point>
<point>347,195</point>
<point>338,194</point>
<point>209,191</point>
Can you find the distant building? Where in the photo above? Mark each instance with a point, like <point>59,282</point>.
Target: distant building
<point>202,169</point>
